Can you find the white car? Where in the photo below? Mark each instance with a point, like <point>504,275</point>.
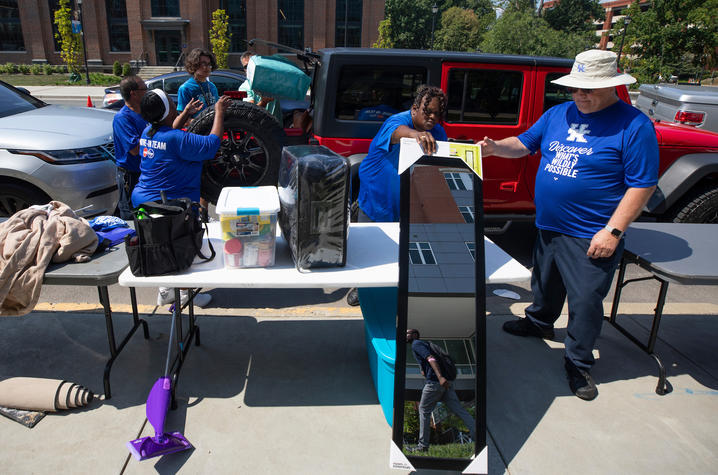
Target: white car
<point>52,152</point>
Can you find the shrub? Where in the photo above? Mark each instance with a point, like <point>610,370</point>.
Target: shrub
<point>117,68</point>
<point>23,68</point>
<point>60,68</point>
<point>36,69</point>
<point>126,69</point>
<point>10,68</point>
<point>47,68</point>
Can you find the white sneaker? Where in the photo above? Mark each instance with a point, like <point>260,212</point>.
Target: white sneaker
<point>165,296</point>
<point>200,300</point>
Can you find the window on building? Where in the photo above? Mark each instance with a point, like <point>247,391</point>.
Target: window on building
<point>459,181</point>
<point>467,212</point>
<point>553,93</point>
<point>168,8</point>
<point>471,246</point>
<point>421,253</point>
<point>117,25</point>
<point>290,20</point>
<point>10,28</point>
<point>373,93</point>
<point>237,13</point>
<point>348,23</point>
<point>484,96</point>
<point>53,6</point>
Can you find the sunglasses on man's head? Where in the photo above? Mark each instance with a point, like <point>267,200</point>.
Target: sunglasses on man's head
<point>571,90</point>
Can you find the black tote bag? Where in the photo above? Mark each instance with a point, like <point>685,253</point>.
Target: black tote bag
<point>169,236</point>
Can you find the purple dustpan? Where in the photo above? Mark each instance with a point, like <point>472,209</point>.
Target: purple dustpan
<point>162,443</point>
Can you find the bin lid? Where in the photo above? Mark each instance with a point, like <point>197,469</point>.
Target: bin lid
<point>244,200</point>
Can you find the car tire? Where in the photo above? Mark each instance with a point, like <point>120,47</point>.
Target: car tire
<point>250,151</point>
<point>699,206</point>
<point>15,196</point>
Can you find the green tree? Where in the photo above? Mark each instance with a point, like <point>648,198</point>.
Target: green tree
<point>671,37</point>
<point>459,30</point>
<point>574,16</point>
<point>70,43</point>
<point>410,23</point>
<point>219,37</point>
<point>522,32</point>
<point>384,39</point>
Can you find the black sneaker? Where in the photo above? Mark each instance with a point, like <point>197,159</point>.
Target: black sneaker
<point>580,382</point>
<point>524,327</point>
<point>353,297</point>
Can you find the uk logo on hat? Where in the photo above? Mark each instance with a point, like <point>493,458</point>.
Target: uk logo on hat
<point>580,68</point>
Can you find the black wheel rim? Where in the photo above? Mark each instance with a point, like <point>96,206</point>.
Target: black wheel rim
<point>241,161</point>
<point>11,204</point>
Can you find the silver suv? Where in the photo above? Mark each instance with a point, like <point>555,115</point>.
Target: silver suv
<point>50,152</point>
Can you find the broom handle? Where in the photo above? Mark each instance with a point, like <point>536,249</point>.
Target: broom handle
<point>169,345</point>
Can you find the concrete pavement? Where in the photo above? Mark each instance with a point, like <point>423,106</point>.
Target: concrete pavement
<point>290,392</point>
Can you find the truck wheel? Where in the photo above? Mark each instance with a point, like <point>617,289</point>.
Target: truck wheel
<point>14,197</point>
<point>250,151</point>
<point>700,206</point>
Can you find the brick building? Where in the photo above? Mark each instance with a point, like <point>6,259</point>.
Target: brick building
<point>157,31</point>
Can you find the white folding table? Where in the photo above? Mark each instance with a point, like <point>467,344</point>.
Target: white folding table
<point>372,261</point>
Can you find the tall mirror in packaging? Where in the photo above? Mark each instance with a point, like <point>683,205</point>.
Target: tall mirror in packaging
<point>440,374</point>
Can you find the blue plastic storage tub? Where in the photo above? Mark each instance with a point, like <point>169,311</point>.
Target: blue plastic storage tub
<point>378,306</point>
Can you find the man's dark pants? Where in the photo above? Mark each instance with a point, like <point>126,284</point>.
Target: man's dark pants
<point>126,182</point>
<point>563,270</point>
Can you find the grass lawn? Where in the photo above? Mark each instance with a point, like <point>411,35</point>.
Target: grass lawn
<point>57,79</point>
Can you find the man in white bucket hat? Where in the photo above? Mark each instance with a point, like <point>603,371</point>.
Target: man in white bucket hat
<point>599,166</point>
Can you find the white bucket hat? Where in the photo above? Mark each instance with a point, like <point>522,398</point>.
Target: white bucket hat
<point>594,69</point>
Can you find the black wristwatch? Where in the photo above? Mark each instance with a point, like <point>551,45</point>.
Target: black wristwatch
<point>614,231</point>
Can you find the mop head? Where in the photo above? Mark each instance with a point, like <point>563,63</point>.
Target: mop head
<point>164,444</point>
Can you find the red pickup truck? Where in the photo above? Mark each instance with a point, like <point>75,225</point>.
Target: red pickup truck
<point>355,89</point>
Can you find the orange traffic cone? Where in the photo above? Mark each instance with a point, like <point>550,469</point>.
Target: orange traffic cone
<point>89,102</point>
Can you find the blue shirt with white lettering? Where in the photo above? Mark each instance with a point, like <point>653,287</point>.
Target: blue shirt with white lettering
<point>205,91</point>
<point>171,160</point>
<point>378,172</point>
<point>127,126</point>
<point>588,161</point>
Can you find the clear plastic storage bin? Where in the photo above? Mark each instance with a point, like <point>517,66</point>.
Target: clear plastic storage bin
<point>248,218</point>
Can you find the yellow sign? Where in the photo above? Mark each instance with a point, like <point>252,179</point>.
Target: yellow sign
<point>469,153</point>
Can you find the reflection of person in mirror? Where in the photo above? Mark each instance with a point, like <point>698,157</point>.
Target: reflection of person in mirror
<point>436,389</point>
<point>599,167</point>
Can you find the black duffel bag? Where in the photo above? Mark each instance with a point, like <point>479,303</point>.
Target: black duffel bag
<point>169,236</point>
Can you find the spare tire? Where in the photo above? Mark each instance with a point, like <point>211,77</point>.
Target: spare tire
<point>250,151</point>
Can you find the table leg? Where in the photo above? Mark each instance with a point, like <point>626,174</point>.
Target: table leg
<point>663,387</point>
<point>115,350</point>
<point>183,342</point>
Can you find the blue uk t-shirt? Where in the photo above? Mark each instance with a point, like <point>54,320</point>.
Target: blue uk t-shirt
<point>378,176</point>
<point>171,160</point>
<point>588,161</point>
<point>127,126</point>
<point>205,91</point>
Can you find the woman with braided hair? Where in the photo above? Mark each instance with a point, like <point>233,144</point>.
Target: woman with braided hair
<point>378,173</point>
<point>378,178</point>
